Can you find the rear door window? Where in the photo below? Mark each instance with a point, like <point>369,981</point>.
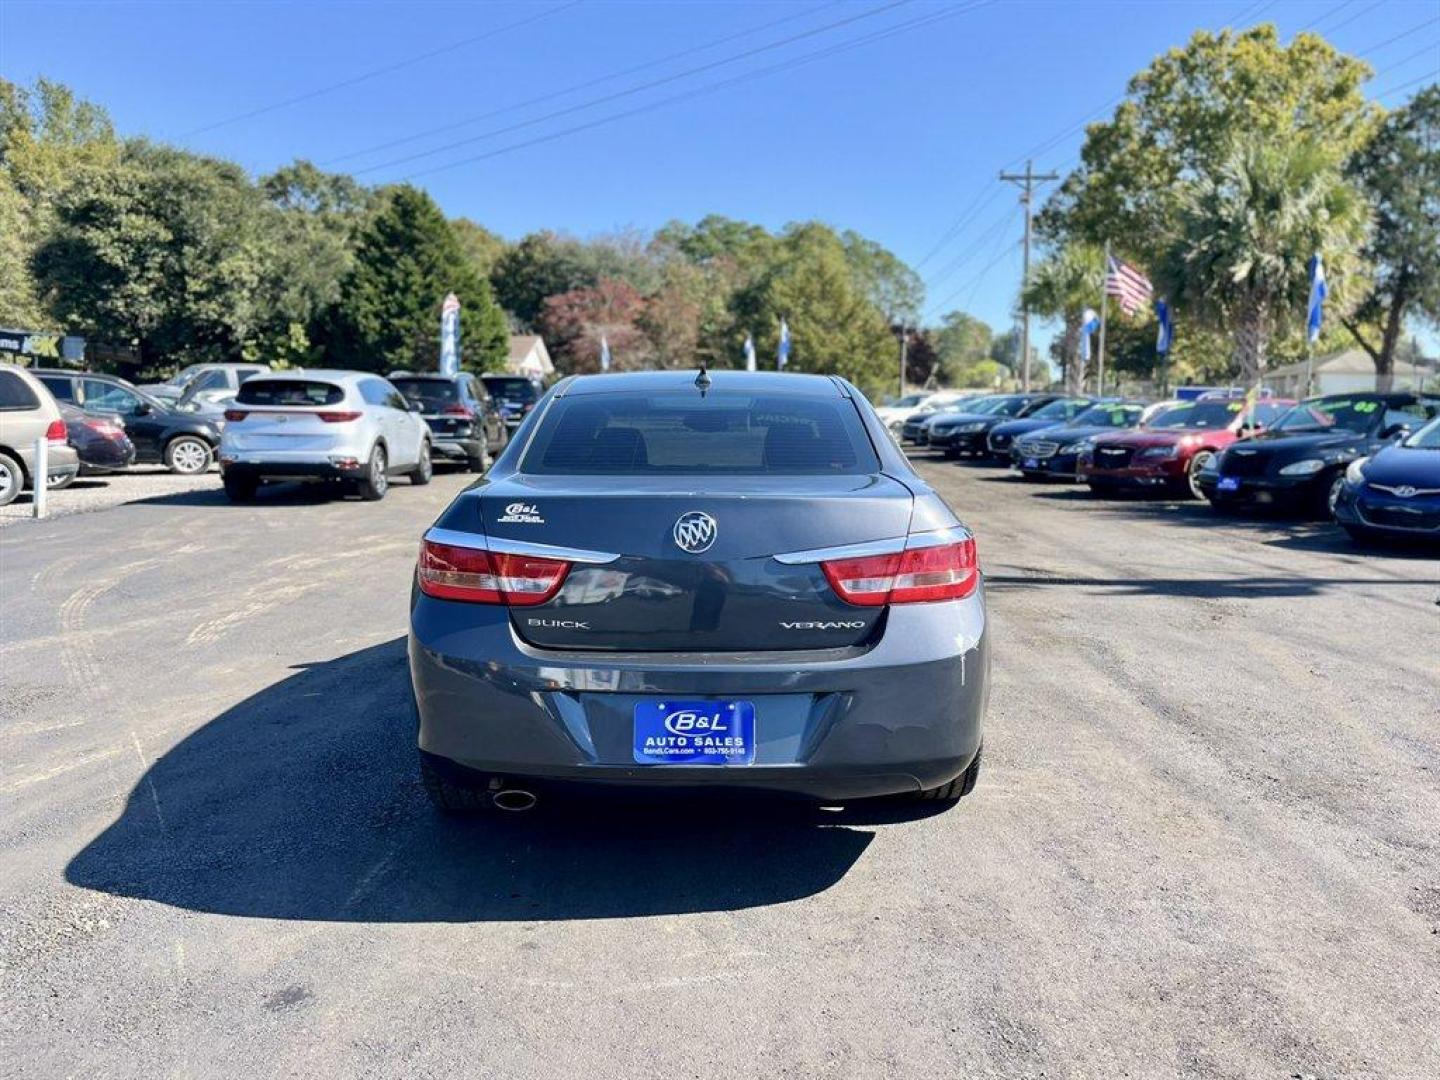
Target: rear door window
<point>15,393</point>
<point>300,392</point>
<point>721,434</point>
<point>61,386</point>
<point>431,394</point>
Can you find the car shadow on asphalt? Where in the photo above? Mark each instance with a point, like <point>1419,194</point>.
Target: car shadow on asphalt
<point>288,494</point>
<point>302,802</point>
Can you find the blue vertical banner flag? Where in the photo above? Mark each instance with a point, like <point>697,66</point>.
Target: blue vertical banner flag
<point>1089,323</point>
<point>450,335</point>
<point>749,353</point>
<point>1166,330</point>
<point>1316,313</point>
<point>604,354</point>
<point>782,356</point>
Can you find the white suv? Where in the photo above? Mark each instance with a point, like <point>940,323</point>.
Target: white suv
<point>322,425</point>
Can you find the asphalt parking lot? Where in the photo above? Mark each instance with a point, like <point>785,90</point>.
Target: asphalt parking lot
<point>1206,842</point>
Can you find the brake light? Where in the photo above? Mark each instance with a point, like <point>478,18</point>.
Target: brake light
<point>338,417</point>
<point>55,433</point>
<point>234,416</point>
<point>914,576</point>
<point>457,410</point>
<point>449,572</point>
<point>105,427</point>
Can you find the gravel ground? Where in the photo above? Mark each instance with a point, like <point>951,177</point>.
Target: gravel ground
<point>1206,842</point>
<point>90,493</point>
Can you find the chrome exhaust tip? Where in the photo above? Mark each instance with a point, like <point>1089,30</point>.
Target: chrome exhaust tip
<point>514,799</point>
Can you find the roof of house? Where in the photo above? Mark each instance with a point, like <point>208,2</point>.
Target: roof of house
<point>1349,362</point>
<point>521,344</point>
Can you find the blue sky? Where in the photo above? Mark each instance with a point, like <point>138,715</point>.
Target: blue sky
<point>898,136</point>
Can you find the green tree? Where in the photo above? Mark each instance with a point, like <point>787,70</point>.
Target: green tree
<point>962,345</point>
<point>1062,286</point>
<point>894,288</point>
<point>1180,118</point>
<point>834,327</point>
<point>48,138</point>
<point>163,254</point>
<point>407,259</point>
<point>481,246</point>
<point>542,264</point>
<point>311,221</point>
<point>1399,171</point>
<point>1246,233</point>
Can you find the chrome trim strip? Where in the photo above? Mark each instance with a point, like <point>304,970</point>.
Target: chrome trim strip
<point>843,551</point>
<point>506,546</point>
<point>891,546</point>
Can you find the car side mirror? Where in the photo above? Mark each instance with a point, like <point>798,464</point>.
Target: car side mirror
<point>1395,431</point>
<point>143,409</point>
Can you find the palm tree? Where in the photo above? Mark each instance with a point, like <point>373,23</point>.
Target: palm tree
<point>1245,237</point>
<point>1061,286</point>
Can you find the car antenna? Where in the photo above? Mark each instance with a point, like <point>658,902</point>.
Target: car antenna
<point>702,381</point>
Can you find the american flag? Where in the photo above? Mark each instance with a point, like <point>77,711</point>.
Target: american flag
<point>1128,285</point>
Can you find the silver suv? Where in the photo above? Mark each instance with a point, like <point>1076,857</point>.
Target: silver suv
<point>322,425</point>
<point>28,412</point>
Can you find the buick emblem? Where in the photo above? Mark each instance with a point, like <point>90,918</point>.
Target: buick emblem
<point>695,532</point>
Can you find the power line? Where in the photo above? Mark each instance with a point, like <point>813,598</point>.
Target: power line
<point>1406,85</point>
<point>783,65</point>
<point>979,274</point>
<point>657,62</point>
<point>964,219</point>
<point>638,88</point>
<point>377,72</point>
<point>975,247</point>
<point>1397,37</point>
<point>1359,14</point>
<point>1321,18</point>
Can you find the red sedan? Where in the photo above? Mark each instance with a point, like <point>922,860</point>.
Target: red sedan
<point>1169,451</point>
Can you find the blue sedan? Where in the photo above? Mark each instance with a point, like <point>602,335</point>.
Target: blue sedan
<point>1396,492</point>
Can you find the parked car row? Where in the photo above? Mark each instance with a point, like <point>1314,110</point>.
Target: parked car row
<point>1368,460</point>
<point>259,425</point>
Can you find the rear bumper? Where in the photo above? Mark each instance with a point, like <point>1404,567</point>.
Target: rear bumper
<point>454,448</point>
<point>292,470</point>
<point>903,715</point>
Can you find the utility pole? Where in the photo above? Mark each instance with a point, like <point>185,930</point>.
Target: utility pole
<point>904,348</point>
<point>1026,181</point>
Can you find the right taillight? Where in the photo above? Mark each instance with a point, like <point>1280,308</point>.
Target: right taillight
<point>915,576</point>
<point>449,572</point>
<point>234,416</point>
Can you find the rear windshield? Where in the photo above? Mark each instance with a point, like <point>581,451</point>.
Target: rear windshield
<point>428,391</point>
<point>289,392</point>
<point>515,389</point>
<point>720,434</point>
<point>1118,416</point>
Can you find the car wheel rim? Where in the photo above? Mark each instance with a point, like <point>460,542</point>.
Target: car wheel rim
<point>1334,496</point>
<point>425,463</point>
<point>1197,466</point>
<point>6,480</point>
<point>189,456</point>
<point>377,471</point>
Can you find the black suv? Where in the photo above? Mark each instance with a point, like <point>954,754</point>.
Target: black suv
<point>515,396</point>
<point>182,441</point>
<point>465,424</point>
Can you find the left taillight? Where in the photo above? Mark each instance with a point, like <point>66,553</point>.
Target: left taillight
<point>915,576</point>
<point>234,416</point>
<point>450,572</point>
<point>55,433</point>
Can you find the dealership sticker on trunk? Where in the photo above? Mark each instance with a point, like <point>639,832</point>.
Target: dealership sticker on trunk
<point>695,733</point>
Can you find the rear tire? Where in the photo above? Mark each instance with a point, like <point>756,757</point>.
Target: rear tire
<point>240,489</point>
<point>1330,494</point>
<point>12,479</point>
<point>376,481</point>
<point>425,468</point>
<point>480,463</point>
<point>956,789</point>
<point>450,797</point>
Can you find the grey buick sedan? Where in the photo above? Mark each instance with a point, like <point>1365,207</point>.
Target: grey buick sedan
<point>731,580</point>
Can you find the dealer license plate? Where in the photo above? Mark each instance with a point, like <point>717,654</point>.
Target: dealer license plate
<point>678,732</point>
